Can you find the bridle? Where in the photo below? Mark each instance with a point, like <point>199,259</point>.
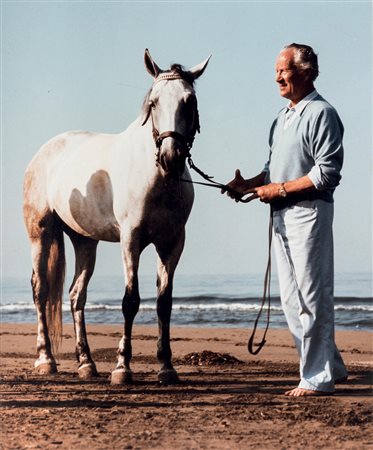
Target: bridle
<point>185,141</point>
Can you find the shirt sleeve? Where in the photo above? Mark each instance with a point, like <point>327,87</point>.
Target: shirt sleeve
<point>327,150</point>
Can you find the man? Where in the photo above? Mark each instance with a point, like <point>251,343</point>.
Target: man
<point>306,156</point>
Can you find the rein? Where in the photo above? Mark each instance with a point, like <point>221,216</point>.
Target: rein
<point>266,295</point>
<point>212,183</point>
<point>187,143</point>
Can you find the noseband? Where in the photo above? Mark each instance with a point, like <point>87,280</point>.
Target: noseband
<point>185,141</point>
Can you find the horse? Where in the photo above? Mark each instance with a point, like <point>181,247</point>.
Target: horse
<point>124,188</point>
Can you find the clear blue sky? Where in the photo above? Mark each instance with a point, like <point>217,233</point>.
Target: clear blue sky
<point>79,65</point>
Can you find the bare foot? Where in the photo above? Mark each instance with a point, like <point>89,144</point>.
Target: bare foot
<point>301,392</point>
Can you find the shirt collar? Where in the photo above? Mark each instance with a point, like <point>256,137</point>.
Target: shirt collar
<point>299,107</point>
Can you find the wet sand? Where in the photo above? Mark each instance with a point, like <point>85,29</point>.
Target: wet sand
<point>227,399</point>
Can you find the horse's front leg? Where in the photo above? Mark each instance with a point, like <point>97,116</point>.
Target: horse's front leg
<point>168,258</point>
<point>122,374</point>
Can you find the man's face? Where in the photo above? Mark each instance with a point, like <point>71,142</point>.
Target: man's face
<point>294,83</point>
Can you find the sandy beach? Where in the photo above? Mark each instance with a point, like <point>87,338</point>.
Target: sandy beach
<point>227,399</point>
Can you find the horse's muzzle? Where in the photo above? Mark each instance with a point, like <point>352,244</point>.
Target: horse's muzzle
<point>172,159</point>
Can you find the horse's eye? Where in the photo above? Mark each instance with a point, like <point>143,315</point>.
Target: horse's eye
<point>152,103</point>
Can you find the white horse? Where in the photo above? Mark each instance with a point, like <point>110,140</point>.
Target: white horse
<point>120,188</point>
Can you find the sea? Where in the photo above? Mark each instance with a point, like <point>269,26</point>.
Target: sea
<point>198,301</point>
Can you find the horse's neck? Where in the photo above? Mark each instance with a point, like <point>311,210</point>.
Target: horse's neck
<point>136,146</point>
<point>139,141</point>
<point>141,134</point>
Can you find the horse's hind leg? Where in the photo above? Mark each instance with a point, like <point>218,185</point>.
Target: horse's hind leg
<point>48,263</point>
<point>85,258</point>
<point>45,363</point>
<point>168,258</point>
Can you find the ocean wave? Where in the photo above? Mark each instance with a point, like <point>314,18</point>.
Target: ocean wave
<point>180,306</point>
<point>23,307</point>
<point>17,307</point>
<point>362,308</point>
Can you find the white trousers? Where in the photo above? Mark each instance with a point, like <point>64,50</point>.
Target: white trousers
<point>303,242</point>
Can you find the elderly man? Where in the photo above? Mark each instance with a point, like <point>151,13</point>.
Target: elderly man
<point>303,170</point>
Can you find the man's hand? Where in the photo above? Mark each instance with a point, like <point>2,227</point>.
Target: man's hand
<point>238,184</point>
<point>268,192</point>
<point>265,193</point>
<point>242,187</point>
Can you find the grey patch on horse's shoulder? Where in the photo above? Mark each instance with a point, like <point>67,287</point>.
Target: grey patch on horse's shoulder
<point>98,203</point>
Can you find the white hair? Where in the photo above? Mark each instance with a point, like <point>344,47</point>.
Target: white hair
<point>305,59</point>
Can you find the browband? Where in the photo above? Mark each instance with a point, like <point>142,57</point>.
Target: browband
<point>168,76</point>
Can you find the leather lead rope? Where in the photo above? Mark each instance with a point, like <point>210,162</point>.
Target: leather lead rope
<point>266,296</point>
<point>212,183</point>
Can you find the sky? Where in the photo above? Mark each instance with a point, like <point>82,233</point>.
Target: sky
<point>79,66</point>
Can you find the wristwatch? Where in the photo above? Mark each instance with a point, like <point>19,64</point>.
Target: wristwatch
<point>282,191</point>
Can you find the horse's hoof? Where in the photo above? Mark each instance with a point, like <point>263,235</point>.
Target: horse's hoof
<point>168,376</point>
<point>87,371</point>
<point>121,376</point>
<point>49,368</point>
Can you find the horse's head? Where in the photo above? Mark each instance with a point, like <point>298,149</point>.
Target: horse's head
<point>171,105</point>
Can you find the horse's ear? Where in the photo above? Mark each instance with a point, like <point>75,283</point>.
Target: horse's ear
<point>198,70</point>
<point>150,65</point>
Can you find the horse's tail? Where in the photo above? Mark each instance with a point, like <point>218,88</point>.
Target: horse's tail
<point>56,278</point>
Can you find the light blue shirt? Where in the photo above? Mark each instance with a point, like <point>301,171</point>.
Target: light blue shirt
<point>292,112</point>
<point>309,143</point>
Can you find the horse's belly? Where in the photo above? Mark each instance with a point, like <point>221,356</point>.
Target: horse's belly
<point>88,223</point>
